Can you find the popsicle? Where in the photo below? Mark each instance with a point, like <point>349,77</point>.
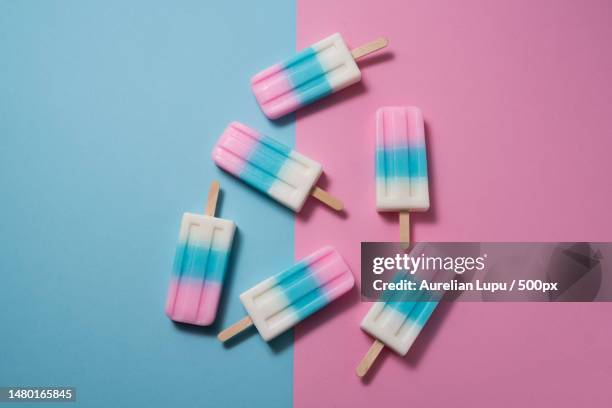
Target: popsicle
<point>401,164</point>
<point>270,167</point>
<point>315,72</point>
<point>200,262</point>
<point>281,301</point>
<point>396,323</point>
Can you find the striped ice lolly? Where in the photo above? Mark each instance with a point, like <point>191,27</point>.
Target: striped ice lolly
<point>199,267</point>
<point>267,165</point>
<point>315,72</point>
<point>279,302</point>
<point>397,322</point>
<point>401,160</point>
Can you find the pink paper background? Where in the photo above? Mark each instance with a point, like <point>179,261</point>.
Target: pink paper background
<point>517,100</point>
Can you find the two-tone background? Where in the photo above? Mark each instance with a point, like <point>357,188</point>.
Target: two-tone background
<point>109,111</point>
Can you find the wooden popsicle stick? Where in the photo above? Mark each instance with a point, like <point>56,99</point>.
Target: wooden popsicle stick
<point>368,360</point>
<point>213,194</point>
<point>236,328</point>
<point>327,198</point>
<point>404,221</point>
<point>369,48</point>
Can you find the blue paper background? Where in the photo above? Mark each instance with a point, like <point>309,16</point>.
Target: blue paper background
<point>108,114</point>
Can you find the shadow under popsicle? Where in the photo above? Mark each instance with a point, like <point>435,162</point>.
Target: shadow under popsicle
<point>375,59</point>
<point>282,121</point>
<point>430,216</point>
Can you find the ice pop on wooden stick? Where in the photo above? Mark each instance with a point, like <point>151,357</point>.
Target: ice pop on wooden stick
<point>271,167</point>
<point>315,72</point>
<point>402,184</point>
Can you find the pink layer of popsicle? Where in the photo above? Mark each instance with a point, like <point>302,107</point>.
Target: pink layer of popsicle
<point>399,127</point>
<point>274,92</point>
<point>332,273</point>
<point>193,301</point>
<point>234,147</point>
